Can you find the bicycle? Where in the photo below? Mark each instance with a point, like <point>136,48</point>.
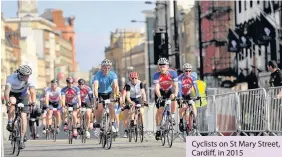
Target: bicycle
<point>69,132</point>
<point>17,132</point>
<point>53,130</point>
<point>83,125</point>
<point>135,130</point>
<point>189,124</point>
<point>166,127</point>
<point>33,126</point>
<point>106,135</point>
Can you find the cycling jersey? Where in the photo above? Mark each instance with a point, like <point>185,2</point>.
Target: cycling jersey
<point>185,85</point>
<point>135,90</point>
<point>71,94</point>
<point>54,96</point>
<point>105,82</point>
<point>85,92</point>
<point>18,86</point>
<point>165,80</point>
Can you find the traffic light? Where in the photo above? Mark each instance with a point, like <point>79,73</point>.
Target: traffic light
<point>160,46</point>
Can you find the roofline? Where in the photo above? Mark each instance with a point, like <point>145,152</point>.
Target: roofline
<point>41,19</point>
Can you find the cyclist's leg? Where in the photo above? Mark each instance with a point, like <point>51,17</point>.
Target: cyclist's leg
<point>58,116</point>
<point>25,111</point>
<point>173,104</point>
<point>43,117</point>
<point>87,118</point>
<point>125,119</point>
<point>191,102</point>
<point>113,115</point>
<point>160,110</point>
<point>99,111</point>
<point>49,115</point>
<point>75,118</point>
<point>11,110</point>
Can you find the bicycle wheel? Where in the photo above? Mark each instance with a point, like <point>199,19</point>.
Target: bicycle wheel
<point>83,129</point>
<point>169,131</point>
<point>14,140</point>
<point>19,136</point>
<point>162,130</point>
<point>33,131</point>
<point>190,124</point>
<point>109,135</point>
<point>104,132</point>
<point>129,133</point>
<point>140,127</point>
<point>54,130</point>
<point>70,130</point>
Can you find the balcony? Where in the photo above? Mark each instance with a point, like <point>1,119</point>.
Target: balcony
<point>216,11</point>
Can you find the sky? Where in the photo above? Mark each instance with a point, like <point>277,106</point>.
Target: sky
<point>93,24</point>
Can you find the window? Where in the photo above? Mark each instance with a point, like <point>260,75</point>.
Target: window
<point>251,3</point>
<point>258,1</point>
<point>240,6</point>
<point>245,4</point>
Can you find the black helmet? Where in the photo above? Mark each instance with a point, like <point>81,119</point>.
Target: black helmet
<point>81,81</point>
<point>54,81</point>
<point>69,80</point>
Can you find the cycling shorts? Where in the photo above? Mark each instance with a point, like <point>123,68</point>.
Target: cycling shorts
<point>21,99</point>
<point>55,105</point>
<point>165,95</point>
<point>135,100</point>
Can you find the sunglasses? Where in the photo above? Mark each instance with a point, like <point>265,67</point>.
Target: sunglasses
<point>162,64</point>
<point>80,84</point>
<point>134,78</point>
<point>188,71</point>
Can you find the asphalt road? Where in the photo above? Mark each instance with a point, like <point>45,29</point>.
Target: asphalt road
<point>120,148</point>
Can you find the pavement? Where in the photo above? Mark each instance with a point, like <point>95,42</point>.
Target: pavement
<point>121,147</point>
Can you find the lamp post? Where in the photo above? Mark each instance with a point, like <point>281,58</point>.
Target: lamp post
<point>148,49</point>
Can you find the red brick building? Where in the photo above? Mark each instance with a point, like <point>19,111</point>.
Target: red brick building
<point>217,18</point>
<point>64,25</point>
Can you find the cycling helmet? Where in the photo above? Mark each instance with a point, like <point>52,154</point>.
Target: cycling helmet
<point>81,81</point>
<point>69,80</point>
<point>133,74</point>
<point>163,61</point>
<point>54,81</point>
<point>25,70</point>
<point>106,62</point>
<point>187,66</point>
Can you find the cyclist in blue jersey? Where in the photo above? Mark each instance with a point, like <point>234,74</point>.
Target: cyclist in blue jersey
<point>187,80</point>
<point>105,84</point>
<point>166,86</point>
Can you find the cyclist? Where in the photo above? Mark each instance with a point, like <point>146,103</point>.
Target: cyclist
<point>186,82</point>
<point>17,86</point>
<point>53,99</point>
<point>43,110</point>
<point>166,86</point>
<point>71,97</point>
<point>102,85</point>
<point>86,96</point>
<point>135,92</point>
<point>35,113</point>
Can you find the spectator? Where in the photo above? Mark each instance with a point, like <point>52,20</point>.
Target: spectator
<point>276,74</point>
<point>252,79</point>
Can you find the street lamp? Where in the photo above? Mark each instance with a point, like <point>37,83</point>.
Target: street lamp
<point>148,49</point>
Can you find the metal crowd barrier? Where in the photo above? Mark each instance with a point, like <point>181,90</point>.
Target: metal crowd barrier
<point>256,112</point>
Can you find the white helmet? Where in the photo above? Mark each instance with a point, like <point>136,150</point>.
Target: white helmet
<point>163,61</point>
<point>106,62</point>
<point>25,70</point>
<point>187,66</point>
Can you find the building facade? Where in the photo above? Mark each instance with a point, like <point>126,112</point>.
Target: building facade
<point>65,25</point>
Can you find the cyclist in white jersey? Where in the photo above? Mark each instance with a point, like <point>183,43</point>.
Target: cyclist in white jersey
<point>135,92</point>
<point>17,86</point>
<point>53,100</point>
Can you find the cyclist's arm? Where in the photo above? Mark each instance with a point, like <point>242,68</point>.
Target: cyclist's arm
<point>63,96</point>
<point>157,84</point>
<point>95,87</point>
<point>47,98</point>
<point>143,93</point>
<point>78,96</point>
<point>32,93</point>
<point>7,92</point>
<point>128,97</point>
<point>175,83</point>
<point>116,88</point>
<point>196,88</point>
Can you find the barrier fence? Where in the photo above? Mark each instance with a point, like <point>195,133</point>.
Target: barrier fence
<point>256,112</point>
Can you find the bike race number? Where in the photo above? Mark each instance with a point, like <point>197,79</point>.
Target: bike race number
<point>233,146</point>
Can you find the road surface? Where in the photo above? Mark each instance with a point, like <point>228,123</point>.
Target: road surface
<point>120,148</point>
